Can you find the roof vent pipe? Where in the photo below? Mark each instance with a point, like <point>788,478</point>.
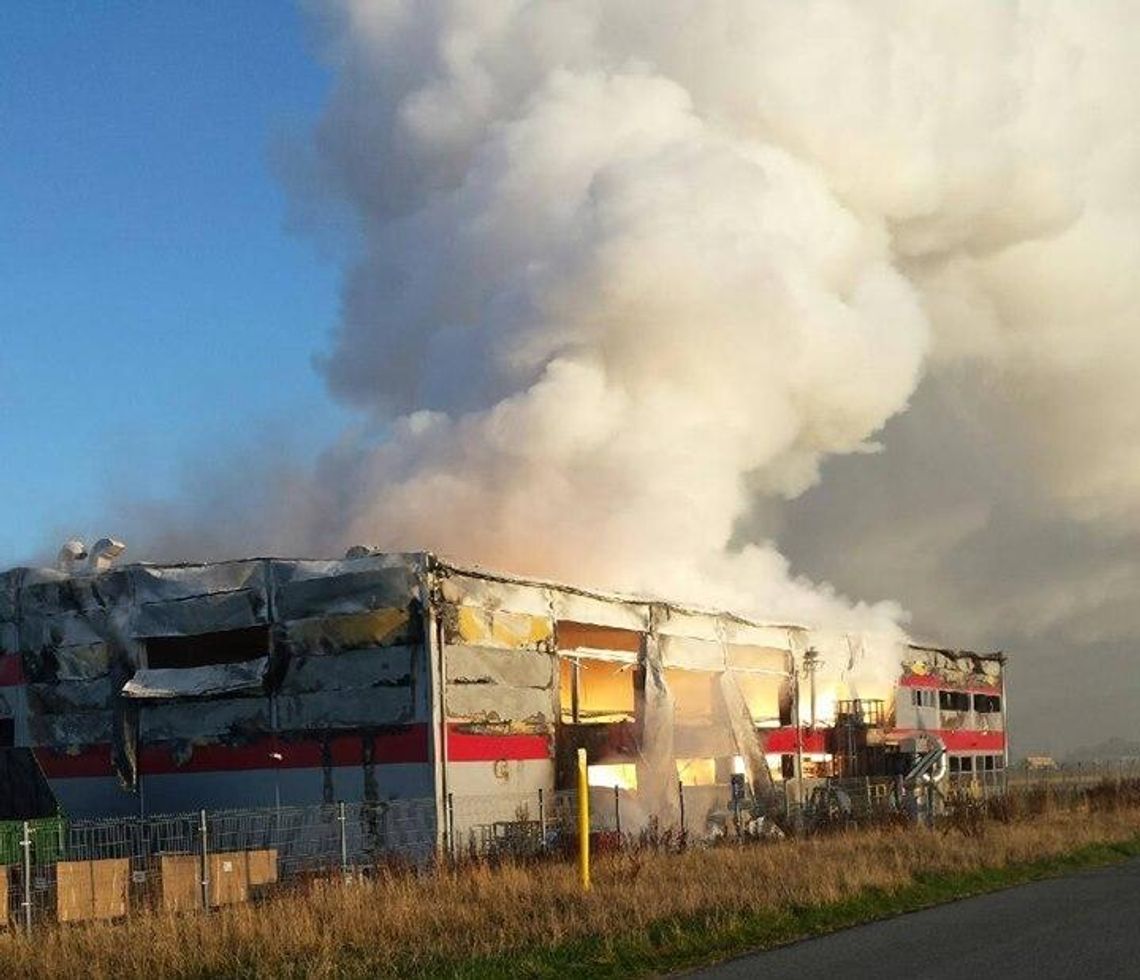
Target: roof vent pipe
<point>103,554</point>
<point>72,552</point>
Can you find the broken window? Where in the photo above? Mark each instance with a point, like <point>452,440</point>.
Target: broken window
<point>922,697</point>
<point>987,703</point>
<point>696,772</point>
<point>954,700</point>
<point>207,649</point>
<point>622,775</point>
<point>766,695</point>
<point>596,691</point>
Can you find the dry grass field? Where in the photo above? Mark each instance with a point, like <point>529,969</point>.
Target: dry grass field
<point>449,923</point>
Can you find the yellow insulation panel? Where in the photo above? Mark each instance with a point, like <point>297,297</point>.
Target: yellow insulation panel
<point>499,628</point>
<point>376,628</point>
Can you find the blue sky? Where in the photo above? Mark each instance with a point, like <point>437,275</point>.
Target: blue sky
<point>153,305</point>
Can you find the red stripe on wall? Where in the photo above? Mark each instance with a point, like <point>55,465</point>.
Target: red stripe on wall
<point>404,745</point>
<point>920,680</point>
<point>472,747</point>
<point>963,741</point>
<point>11,670</point>
<point>91,760</point>
<point>783,740</point>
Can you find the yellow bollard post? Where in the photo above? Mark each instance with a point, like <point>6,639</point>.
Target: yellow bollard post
<point>583,822</point>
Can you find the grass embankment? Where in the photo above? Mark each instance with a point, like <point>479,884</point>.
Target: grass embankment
<point>647,912</point>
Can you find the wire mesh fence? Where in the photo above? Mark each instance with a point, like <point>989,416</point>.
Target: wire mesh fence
<point>66,871</point>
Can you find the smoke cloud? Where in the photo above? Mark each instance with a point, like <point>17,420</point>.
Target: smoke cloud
<point>628,273</point>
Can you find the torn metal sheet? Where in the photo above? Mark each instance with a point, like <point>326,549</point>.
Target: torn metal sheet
<point>197,682</point>
<point>356,631</point>
<point>48,593</point>
<point>491,594</point>
<point>600,612</point>
<point>747,743</point>
<point>75,728</point>
<point>360,708</point>
<point>189,721</point>
<point>65,696</point>
<point>166,583</point>
<point>484,665</point>
<point>748,635</point>
<point>379,667</point>
<point>692,654</point>
<point>763,660</point>
<point>214,613</point>
<point>309,588</point>
<point>496,628</point>
<point>83,662</point>
<point>657,768</point>
<point>696,626</point>
<point>64,629</point>
<point>531,708</point>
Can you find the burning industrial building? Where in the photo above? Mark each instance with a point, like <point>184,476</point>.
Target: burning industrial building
<point>141,689</point>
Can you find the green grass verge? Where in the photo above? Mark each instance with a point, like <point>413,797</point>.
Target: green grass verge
<point>678,943</point>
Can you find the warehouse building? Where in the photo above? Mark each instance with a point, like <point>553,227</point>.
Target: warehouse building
<point>142,689</point>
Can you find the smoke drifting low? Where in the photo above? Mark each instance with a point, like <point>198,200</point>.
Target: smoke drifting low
<point>630,271</point>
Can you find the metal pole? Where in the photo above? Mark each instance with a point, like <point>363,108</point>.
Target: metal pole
<point>26,843</point>
<point>583,822</point>
<point>343,840</point>
<point>203,830</point>
<point>617,812</point>
<point>810,656</point>
<point>799,744</point>
<point>681,799</point>
<point>542,817</point>
<point>451,825</point>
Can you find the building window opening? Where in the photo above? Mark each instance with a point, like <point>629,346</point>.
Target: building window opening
<point>954,700</point>
<point>923,697</point>
<point>623,775</point>
<point>987,703</point>
<point>696,772</point>
<point>596,692</point>
<point>207,649</point>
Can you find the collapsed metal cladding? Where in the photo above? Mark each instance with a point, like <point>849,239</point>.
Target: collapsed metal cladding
<point>142,689</point>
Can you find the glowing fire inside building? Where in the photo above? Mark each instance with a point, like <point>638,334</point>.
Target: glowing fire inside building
<point>141,689</point>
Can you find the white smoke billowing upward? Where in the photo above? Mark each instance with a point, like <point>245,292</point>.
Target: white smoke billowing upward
<point>625,265</point>
<point>607,301</point>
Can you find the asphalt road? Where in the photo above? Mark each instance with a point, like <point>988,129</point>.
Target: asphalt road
<point>1086,925</point>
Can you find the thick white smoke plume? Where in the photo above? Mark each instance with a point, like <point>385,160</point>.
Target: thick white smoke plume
<point>626,266</point>
<point>609,301</point>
